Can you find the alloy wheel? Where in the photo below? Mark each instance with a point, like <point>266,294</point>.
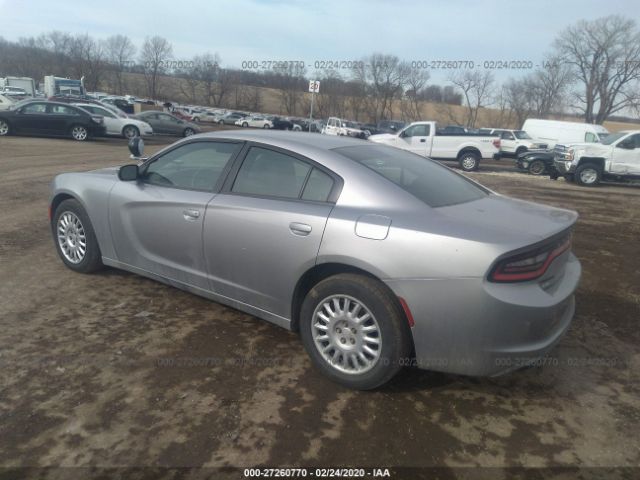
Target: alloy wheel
<point>79,133</point>
<point>4,127</point>
<point>72,238</point>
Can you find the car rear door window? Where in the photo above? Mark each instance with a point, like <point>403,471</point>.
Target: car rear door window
<point>318,187</point>
<point>269,173</point>
<point>63,110</point>
<point>193,166</point>
<point>35,108</point>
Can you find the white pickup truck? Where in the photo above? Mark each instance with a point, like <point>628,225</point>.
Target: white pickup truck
<point>422,138</point>
<point>616,158</point>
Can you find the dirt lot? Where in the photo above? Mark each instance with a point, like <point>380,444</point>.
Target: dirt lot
<point>116,370</point>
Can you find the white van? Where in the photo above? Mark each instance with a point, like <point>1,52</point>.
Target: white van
<point>552,132</point>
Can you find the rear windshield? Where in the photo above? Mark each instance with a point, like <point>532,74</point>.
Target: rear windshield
<point>434,184</point>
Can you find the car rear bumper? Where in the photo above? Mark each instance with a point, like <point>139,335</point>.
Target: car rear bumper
<point>470,326</point>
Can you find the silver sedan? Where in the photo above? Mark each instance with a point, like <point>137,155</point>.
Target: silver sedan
<point>379,258</point>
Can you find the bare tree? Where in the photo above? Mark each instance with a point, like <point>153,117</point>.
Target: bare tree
<point>604,55</point>
<point>476,89</point>
<point>415,84</point>
<point>154,55</point>
<point>120,52</point>
<point>385,76</point>
<point>89,60</point>
<point>291,82</point>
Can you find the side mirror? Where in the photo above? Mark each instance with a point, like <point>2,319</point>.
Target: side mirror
<point>128,173</point>
<point>136,147</point>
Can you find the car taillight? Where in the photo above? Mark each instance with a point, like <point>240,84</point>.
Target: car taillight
<point>529,265</point>
<point>496,143</point>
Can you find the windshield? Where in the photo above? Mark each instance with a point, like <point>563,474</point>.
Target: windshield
<point>602,136</point>
<point>610,138</point>
<point>522,135</point>
<point>434,184</point>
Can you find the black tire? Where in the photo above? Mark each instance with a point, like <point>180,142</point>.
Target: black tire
<point>130,131</point>
<point>469,161</point>
<point>5,128</point>
<point>588,175</point>
<point>221,122</point>
<point>520,151</point>
<point>188,132</point>
<point>537,167</point>
<point>92,260</point>
<point>395,344</point>
<point>245,124</point>
<point>79,133</point>
<point>266,125</point>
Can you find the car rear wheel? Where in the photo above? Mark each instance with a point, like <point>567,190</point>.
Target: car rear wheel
<point>266,125</point>
<point>469,161</point>
<point>536,167</point>
<point>587,175</point>
<point>221,122</point>
<point>130,131</point>
<point>354,331</point>
<point>79,133</point>
<point>188,132</point>
<point>4,128</point>
<point>74,237</point>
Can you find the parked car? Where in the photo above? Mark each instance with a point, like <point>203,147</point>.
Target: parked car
<point>257,121</point>
<point>167,124</point>
<point>513,143</point>
<point>421,138</point>
<point>120,102</point>
<point>340,127</point>
<point>537,162</point>
<point>206,117</point>
<point>182,115</point>
<point>51,119</point>
<point>5,102</point>
<point>389,126</point>
<point>383,258</point>
<point>615,158</point>
<point>452,130</point>
<point>13,91</point>
<point>230,118</point>
<point>552,132</point>
<point>118,124</point>
<point>280,123</point>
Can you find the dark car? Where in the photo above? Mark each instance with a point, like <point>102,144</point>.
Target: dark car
<point>61,98</point>
<point>537,162</point>
<point>389,126</point>
<point>167,124</point>
<point>51,118</point>
<point>452,130</point>
<point>280,123</point>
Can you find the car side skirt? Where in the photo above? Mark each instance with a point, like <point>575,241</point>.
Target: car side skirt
<point>230,302</point>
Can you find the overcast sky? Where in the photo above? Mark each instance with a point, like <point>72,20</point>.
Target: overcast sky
<point>308,31</point>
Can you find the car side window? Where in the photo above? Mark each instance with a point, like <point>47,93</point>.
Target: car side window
<point>194,166</point>
<point>35,108</point>
<point>590,137</point>
<point>636,140</point>
<point>318,187</point>
<point>506,136</point>
<point>270,173</point>
<point>417,131</point>
<point>63,110</point>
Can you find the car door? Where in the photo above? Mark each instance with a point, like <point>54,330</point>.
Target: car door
<point>111,122</point>
<point>32,118</point>
<point>507,142</point>
<point>61,117</point>
<point>154,120</point>
<point>626,156</point>
<point>263,231</point>
<point>156,222</point>
<point>415,139</point>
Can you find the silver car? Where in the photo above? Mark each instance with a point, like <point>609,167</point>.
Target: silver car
<point>378,257</point>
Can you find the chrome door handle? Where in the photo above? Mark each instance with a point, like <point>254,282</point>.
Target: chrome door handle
<point>301,229</point>
<point>190,214</point>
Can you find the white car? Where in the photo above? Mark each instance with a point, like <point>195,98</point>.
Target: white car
<point>553,132</point>
<point>13,91</point>
<point>206,117</point>
<point>118,124</point>
<point>514,142</point>
<point>5,102</point>
<point>337,126</point>
<point>257,121</point>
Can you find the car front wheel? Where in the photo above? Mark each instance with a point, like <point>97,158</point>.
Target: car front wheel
<point>130,131</point>
<point>587,175</point>
<point>4,128</point>
<point>537,167</point>
<point>354,330</point>
<point>188,132</point>
<point>74,237</point>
